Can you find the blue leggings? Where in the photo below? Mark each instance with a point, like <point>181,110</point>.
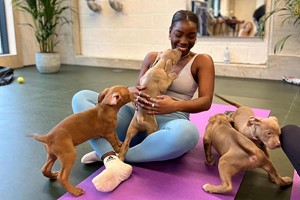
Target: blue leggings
<point>175,136</point>
<point>289,138</point>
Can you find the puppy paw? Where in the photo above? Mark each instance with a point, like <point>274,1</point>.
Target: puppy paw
<point>54,175</point>
<point>120,143</point>
<point>172,75</point>
<point>51,175</point>
<point>117,148</point>
<point>210,162</point>
<point>207,187</point>
<point>76,191</point>
<point>286,181</point>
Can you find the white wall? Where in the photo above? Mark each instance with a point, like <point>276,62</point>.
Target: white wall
<point>143,26</point>
<point>113,39</point>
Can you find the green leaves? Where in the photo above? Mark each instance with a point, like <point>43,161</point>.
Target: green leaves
<point>47,17</point>
<point>289,11</point>
<point>280,44</point>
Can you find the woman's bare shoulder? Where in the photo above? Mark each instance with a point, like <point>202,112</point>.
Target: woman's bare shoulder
<point>150,58</point>
<point>151,55</point>
<point>203,56</point>
<point>203,60</point>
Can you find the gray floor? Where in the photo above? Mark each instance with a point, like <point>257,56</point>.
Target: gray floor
<point>44,100</point>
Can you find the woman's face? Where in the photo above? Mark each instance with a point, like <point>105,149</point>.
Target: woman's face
<point>183,36</point>
<point>248,27</point>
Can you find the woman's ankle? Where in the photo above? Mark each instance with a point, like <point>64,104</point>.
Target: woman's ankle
<point>111,153</point>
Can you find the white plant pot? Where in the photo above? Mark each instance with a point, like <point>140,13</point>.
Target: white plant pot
<point>47,62</point>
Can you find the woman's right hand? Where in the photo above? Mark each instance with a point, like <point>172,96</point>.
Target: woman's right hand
<point>138,95</point>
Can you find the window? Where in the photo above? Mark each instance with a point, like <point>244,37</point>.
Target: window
<point>3,30</point>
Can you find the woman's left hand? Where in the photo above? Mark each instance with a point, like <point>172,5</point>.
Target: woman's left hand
<point>162,105</point>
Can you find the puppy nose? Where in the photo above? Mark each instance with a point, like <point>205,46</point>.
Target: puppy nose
<point>277,145</point>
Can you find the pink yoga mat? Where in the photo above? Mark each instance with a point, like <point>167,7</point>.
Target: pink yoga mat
<point>181,178</point>
<point>295,195</point>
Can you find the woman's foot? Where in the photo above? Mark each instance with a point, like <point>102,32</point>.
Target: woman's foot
<point>115,173</point>
<point>90,158</point>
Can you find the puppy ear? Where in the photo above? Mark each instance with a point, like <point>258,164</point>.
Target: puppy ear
<point>253,121</point>
<point>273,118</point>
<point>102,95</point>
<point>112,99</point>
<point>230,120</point>
<point>156,59</point>
<point>168,65</point>
<point>211,119</point>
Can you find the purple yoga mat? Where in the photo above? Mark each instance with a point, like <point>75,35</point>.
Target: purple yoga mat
<point>295,195</point>
<point>180,178</point>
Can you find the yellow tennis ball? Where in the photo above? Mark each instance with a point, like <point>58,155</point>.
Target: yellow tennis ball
<point>20,79</point>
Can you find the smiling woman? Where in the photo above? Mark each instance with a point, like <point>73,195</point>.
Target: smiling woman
<point>176,134</point>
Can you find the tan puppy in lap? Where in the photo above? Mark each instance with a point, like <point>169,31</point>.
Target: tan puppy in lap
<point>237,153</point>
<point>100,121</point>
<point>157,80</point>
<point>264,132</point>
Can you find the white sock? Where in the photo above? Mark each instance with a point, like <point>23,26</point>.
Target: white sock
<point>90,157</point>
<point>115,173</point>
<point>292,80</point>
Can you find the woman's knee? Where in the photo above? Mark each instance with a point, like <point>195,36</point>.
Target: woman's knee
<point>290,133</point>
<point>80,95</point>
<point>186,132</point>
<point>290,128</point>
<point>84,100</point>
<point>192,133</point>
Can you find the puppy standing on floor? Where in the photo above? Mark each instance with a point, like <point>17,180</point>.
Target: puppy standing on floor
<point>237,153</point>
<point>264,132</point>
<point>157,80</point>
<point>100,121</point>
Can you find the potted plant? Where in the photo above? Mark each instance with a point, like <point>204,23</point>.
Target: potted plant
<point>289,10</point>
<point>47,17</point>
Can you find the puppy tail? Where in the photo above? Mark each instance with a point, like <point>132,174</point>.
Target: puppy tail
<point>228,101</point>
<point>40,138</point>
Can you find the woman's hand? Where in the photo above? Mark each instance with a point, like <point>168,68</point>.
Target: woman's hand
<point>137,90</point>
<point>162,105</point>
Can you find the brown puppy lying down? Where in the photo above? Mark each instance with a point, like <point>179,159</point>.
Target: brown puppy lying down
<point>237,153</point>
<point>100,121</point>
<point>157,80</point>
<point>264,132</point>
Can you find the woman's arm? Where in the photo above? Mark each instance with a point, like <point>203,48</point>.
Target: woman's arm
<point>203,71</point>
<point>147,62</point>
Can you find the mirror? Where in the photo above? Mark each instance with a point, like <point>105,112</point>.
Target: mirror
<point>228,18</point>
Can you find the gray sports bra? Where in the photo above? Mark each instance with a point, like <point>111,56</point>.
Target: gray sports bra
<point>184,86</point>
